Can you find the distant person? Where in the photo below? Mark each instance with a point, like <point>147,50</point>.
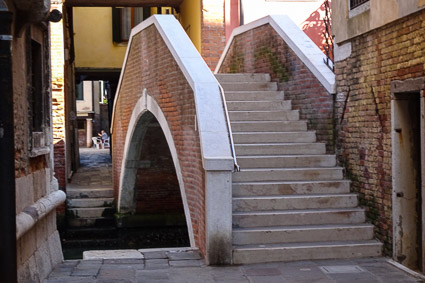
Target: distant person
<point>103,135</point>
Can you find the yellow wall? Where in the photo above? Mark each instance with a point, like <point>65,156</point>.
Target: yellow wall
<point>190,19</point>
<point>94,47</point>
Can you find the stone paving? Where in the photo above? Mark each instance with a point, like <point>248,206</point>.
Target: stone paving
<point>186,265</point>
<point>95,170</point>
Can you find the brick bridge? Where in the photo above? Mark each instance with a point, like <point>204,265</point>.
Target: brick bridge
<point>173,160</point>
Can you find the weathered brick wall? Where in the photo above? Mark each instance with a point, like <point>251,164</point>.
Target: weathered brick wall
<point>393,52</point>
<point>58,98</point>
<point>262,50</point>
<point>157,186</point>
<point>212,31</point>
<point>38,250</point>
<point>150,65</point>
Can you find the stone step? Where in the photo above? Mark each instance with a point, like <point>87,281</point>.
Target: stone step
<point>288,115</point>
<point>243,77</point>
<point>89,212</point>
<point>294,234</point>
<point>286,161</point>
<point>89,202</point>
<point>259,105</point>
<point>262,95</point>
<point>280,149</point>
<point>298,217</point>
<point>277,138</point>
<point>248,86</point>
<point>305,251</point>
<point>290,188</point>
<point>292,202</point>
<point>269,126</point>
<point>287,174</point>
<point>89,193</point>
<point>91,222</point>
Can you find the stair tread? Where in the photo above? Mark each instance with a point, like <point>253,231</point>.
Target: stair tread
<point>253,91</point>
<point>279,132</point>
<point>288,169</point>
<point>286,155</point>
<point>263,111</point>
<point>268,122</point>
<point>298,211</point>
<point>91,208</point>
<point>302,227</point>
<point>92,199</point>
<point>273,143</point>
<point>262,197</point>
<point>289,182</point>
<point>94,217</point>
<point>307,244</point>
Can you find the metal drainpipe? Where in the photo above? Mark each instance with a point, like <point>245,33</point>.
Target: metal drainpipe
<point>8,258</point>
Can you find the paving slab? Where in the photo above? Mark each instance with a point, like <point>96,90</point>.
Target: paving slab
<point>153,264</point>
<point>184,255</point>
<point>166,269</point>
<point>113,254</point>
<point>155,255</point>
<point>185,263</point>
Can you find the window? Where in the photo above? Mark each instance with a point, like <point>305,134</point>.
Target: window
<point>356,3</point>
<point>124,19</point>
<point>37,58</point>
<point>79,93</point>
<point>37,99</point>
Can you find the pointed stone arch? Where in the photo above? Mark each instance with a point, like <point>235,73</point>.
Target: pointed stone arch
<point>145,110</point>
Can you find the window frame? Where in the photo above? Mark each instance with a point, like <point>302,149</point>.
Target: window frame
<point>117,22</point>
<point>38,91</point>
<point>357,3</point>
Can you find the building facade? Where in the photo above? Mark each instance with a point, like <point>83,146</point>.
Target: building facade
<point>379,117</point>
<point>29,238</point>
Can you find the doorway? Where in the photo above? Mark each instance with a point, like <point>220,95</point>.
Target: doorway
<point>407,106</point>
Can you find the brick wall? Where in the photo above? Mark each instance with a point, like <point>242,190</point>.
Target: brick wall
<point>38,250</point>
<point>393,52</point>
<point>212,31</point>
<point>150,65</point>
<point>157,185</point>
<point>262,50</point>
<point>58,98</point>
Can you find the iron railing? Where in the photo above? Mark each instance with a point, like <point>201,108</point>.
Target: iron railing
<point>327,35</point>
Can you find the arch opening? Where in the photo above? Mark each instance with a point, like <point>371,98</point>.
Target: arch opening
<point>152,200</point>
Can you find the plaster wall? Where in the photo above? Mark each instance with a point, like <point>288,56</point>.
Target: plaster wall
<point>94,47</point>
<point>371,15</point>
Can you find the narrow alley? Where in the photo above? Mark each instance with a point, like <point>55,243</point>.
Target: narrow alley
<point>89,220</point>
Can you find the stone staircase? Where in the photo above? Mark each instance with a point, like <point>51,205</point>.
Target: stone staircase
<point>90,207</point>
<point>290,201</point>
<point>90,221</point>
